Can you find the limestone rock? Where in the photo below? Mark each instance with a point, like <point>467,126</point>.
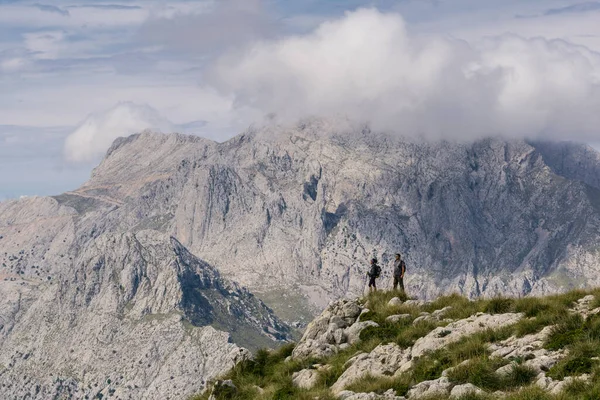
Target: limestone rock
<point>327,332</point>
<point>397,318</point>
<point>461,390</point>
<point>453,332</point>
<point>305,379</point>
<point>353,332</point>
<point>384,360</point>
<point>389,395</point>
<point>395,302</point>
<point>438,387</point>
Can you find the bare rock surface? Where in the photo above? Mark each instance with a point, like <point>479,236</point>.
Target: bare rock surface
<point>334,327</point>
<point>435,388</point>
<point>384,360</point>
<point>459,391</point>
<point>134,316</point>
<point>454,331</point>
<point>305,379</point>
<point>389,395</point>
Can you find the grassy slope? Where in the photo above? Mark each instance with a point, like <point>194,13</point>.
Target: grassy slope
<point>268,376</point>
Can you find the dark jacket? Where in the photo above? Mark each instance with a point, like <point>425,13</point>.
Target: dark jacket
<point>373,271</point>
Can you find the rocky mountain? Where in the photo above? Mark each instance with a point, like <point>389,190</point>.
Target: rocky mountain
<point>108,287</point>
<point>90,314</point>
<point>297,211</point>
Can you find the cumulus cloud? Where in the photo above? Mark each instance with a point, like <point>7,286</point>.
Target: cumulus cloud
<point>95,135</point>
<point>368,67</point>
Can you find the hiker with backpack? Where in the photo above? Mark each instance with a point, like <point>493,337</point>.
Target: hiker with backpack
<point>399,270</point>
<point>373,274</point>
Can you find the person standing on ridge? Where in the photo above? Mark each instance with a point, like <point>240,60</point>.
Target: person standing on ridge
<point>399,270</point>
<point>373,274</point>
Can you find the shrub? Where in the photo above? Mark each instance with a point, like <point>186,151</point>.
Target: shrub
<point>384,333</point>
<point>481,372</point>
<point>520,375</point>
<point>531,393</point>
<point>499,305</point>
<point>579,360</point>
<point>531,306</point>
<point>565,333</point>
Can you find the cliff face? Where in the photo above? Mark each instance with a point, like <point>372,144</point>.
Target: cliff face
<point>85,311</point>
<point>117,275</point>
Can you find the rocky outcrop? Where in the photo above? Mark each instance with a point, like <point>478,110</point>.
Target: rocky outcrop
<point>454,331</point>
<point>134,315</point>
<point>335,327</point>
<point>384,360</point>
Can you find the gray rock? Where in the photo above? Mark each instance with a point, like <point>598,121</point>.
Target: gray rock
<point>453,332</point>
<point>395,302</point>
<point>353,332</point>
<point>306,379</point>
<point>384,360</point>
<point>461,390</point>
<point>389,395</point>
<point>398,317</point>
<point>438,387</point>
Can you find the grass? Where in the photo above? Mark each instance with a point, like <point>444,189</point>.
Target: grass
<point>269,376</point>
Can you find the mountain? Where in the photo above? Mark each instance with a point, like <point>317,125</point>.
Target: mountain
<point>91,314</point>
<point>298,211</point>
<point>147,262</point>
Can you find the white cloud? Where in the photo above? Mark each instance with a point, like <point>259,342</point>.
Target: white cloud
<point>368,67</point>
<point>95,135</point>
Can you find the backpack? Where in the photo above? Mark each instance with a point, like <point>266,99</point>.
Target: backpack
<point>377,270</point>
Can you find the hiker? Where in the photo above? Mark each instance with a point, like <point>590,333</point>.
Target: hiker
<point>373,274</point>
<point>399,270</point>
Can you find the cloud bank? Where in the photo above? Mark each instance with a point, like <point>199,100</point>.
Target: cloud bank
<point>368,67</point>
<point>95,135</point>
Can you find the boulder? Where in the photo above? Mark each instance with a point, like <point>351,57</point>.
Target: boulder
<point>327,331</point>
<point>384,360</point>
<point>313,348</point>
<point>306,379</point>
<point>438,387</point>
<point>395,302</point>
<point>353,332</point>
<point>459,391</point>
<point>397,318</point>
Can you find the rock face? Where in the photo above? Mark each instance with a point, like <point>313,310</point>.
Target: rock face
<point>90,281</point>
<point>337,325</point>
<point>130,315</point>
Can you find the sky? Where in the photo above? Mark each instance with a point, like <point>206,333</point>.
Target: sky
<point>75,75</point>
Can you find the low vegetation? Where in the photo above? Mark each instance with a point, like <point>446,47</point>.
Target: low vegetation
<point>269,375</point>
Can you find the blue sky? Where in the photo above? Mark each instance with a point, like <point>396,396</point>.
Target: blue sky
<point>76,74</point>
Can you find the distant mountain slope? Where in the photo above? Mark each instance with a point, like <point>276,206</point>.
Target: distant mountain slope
<point>84,312</point>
